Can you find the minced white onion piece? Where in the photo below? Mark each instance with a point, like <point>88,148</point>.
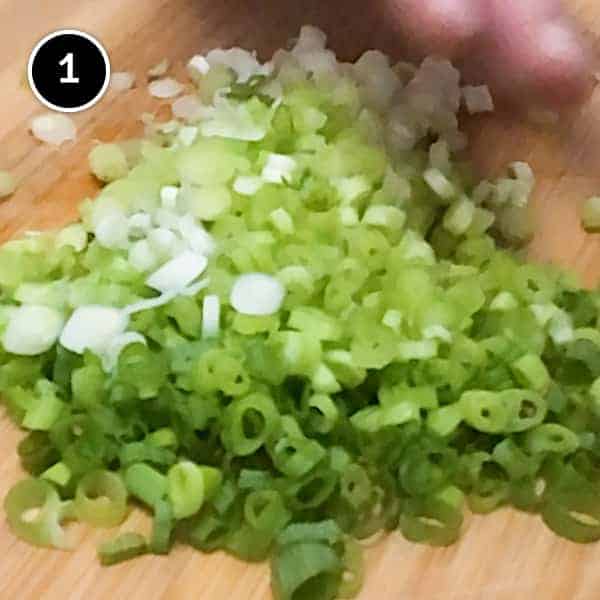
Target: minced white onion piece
<point>141,256</point>
<point>54,128</point>
<point>188,108</point>
<point>257,294</point>
<point>243,63</point>
<point>162,240</point>
<point>159,69</point>
<point>112,231</point>
<point>478,98</point>
<point>110,357</point>
<point>199,64</point>
<point>165,88</point>
<point>247,185</point>
<point>139,224</point>
<point>73,235</point>
<point>122,81</point>
<point>197,238</point>
<point>93,327</point>
<point>278,168</point>
<point>165,218</point>
<point>179,272</point>
<point>32,330</point>
<point>211,315</point>
<point>168,197</point>
<point>232,120</point>
<point>187,135</point>
<point>439,183</point>
<point>378,79</point>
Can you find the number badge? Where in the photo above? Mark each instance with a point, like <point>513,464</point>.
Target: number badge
<point>69,70</point>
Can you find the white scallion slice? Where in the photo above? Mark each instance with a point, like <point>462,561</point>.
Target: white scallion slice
<point>188,108</point>
<point>32,330</point>
<point>93,327</point>
<point>54,128</point>
<point>198,64</point>
<point>257,294</point>
<point>121,81</point>
<point>187,135</point>
<point>179,272</point>
<point>159,69</point>
<point>242,62</point>
<point>247,185</point>
<point>478,99</point>
<point>168,197</point>
<point>141,256</point>
<point>278,168</point>
<point>211,315</point>
<point>165,88</point>
<point>439,183</point>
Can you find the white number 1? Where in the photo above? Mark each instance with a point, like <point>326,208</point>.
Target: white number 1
<point>70,64</point>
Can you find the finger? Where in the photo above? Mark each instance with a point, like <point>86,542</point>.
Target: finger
<point>532,51</point>
<point>437,26</point>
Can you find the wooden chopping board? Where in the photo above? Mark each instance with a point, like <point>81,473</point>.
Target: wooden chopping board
<point>506,556</point>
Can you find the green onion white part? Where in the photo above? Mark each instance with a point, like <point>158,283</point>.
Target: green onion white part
<point>53,128</point>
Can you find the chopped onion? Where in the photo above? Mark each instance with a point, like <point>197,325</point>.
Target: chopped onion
<point>439,183</point>
<point>231,120</point>
<point>32,330</point>
<point>178,272</point>
<point>93,327</point>
<point>162,241</point>
<point>188,108</point>
<point>242,62</point>
<point>159,69</point>
<point>112,231</point>
<point>247,185</point>
<point>199,64</point>
<point>278,168</point>
<point>165,88</point>
<point>141,256</point>
<point>478,99</point>
<point>168,197</point>
<point>187,135</point>
<point>54,128</point>
<point>122,81</point>
<point>257,294</point>
<point>139,224</point>
<point>211,311</point>
<point>379,81</point>
<point>197,238</point>
<point>73,235</point>
<point>108,162</point>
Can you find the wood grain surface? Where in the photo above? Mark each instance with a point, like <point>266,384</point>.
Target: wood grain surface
<point>507,556</point>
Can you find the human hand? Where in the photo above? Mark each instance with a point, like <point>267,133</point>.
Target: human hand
<point>527,50</point>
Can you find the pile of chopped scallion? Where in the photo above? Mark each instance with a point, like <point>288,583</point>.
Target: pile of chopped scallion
<point>287,323</point>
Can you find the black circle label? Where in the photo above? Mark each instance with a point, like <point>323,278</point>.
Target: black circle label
<point>69,70</point>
